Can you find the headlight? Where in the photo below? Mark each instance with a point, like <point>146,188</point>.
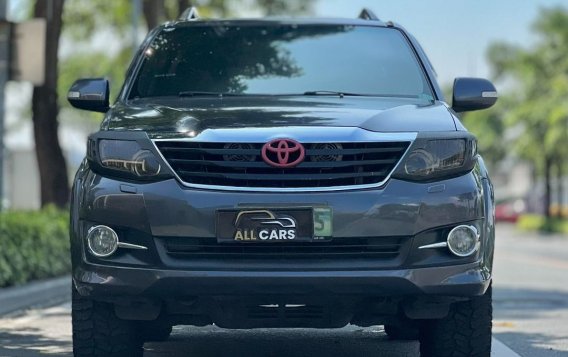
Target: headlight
<point>124,158</point>
<point>127,156</point>
<point>436,158</point>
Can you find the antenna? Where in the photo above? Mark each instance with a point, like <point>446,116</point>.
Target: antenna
<point>189,14</point>
<point>367,14</point>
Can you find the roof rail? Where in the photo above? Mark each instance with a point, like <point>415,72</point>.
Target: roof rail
<point>190,13</point>
<point>367,14</point>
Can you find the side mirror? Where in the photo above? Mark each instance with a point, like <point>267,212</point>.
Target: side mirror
<point>473,94</point>
<point>90,94</point>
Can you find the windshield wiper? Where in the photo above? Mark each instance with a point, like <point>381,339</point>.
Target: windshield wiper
<point>206,94</point>
<point>330,92</point>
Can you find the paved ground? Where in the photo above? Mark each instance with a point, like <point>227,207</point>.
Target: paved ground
<point>531,293</point>
<point>531,317</point>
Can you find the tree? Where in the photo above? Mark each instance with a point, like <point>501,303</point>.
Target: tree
<point>489,128</point>
<point>537,107</point>
<point>51,163</point>
<point>157,11</point>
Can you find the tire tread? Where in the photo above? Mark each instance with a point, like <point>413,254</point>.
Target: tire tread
<point>97,332</point>
<point>465,332</point>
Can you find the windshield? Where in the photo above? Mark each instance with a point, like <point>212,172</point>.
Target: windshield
<point>280,60</point>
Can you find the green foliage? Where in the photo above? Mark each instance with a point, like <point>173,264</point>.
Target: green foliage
<point>82,19</point>
<point>489,128</point>
<point>80,27</point>
<point>534,222</point>
<point>33,245</point>
<point>289,7</point>
<point>93,64</point>
<point>537,106</point>
<point>227,8</point>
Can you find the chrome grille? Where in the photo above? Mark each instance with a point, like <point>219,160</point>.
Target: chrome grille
<point>241,165</point>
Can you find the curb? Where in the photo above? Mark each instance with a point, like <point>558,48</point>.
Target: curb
<point>43,293</point>
<point>499,349</point>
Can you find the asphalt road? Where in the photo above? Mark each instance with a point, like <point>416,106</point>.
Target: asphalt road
<point>530,318</point>
<point>531,293</point>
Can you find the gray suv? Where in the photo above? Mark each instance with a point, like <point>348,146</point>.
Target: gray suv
<point>282,173</point>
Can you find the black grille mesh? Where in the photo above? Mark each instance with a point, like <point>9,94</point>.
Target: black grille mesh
<point>379,247</point>
<point>241,164</point>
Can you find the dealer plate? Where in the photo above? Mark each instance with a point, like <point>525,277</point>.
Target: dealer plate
<point>279,225</point>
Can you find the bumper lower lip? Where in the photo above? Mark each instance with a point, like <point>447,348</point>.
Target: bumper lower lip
<point>108,282</point>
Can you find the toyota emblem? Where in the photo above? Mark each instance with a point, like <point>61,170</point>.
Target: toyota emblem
<point>283,153</point>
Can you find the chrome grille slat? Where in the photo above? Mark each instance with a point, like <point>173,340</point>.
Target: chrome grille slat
<point>259,164</point>
<point>211,151</point>
<point>309,152</point>
<point>280,176</point>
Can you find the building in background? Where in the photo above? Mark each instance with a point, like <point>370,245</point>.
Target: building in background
<point>21,174</point>
<point>22,186</point>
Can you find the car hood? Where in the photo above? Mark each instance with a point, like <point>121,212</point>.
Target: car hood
<point>168,118</point>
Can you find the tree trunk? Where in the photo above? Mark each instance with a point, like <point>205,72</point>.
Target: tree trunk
<point>51,163</point>
<point>182,6</point>
<point>560,186</point>
<point>154,12</point>
<point>547,187</point>
<point>172,13</point>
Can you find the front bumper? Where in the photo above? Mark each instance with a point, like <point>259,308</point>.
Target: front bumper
<point>106,282</point>
<point>151,213</point>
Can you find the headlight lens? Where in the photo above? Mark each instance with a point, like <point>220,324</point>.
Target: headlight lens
<point>439,157</point>
<point>419,162</point>
<point>127,156</point>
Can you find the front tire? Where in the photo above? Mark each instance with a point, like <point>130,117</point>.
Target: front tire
<point>97,332</point>
<point>466,331</point>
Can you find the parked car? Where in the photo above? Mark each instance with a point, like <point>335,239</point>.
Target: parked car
<point>282,173</point>
<point>509,210</point>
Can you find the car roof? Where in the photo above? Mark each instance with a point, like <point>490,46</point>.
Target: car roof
<point>269,21</point>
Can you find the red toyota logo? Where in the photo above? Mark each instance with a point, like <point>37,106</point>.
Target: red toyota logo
<point>283,153</point>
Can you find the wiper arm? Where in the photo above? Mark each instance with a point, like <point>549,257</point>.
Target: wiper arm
<point>347,94</point>
<point>330,92</point>
<point>206,94</point>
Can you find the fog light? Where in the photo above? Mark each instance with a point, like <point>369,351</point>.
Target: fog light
<point>463,240</point>
<point>102,241</point>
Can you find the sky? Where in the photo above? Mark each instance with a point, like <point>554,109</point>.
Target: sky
<point>454,33</point>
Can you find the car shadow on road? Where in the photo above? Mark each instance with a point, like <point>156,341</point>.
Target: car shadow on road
<point>213,341</point>
<point>28,342</point>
